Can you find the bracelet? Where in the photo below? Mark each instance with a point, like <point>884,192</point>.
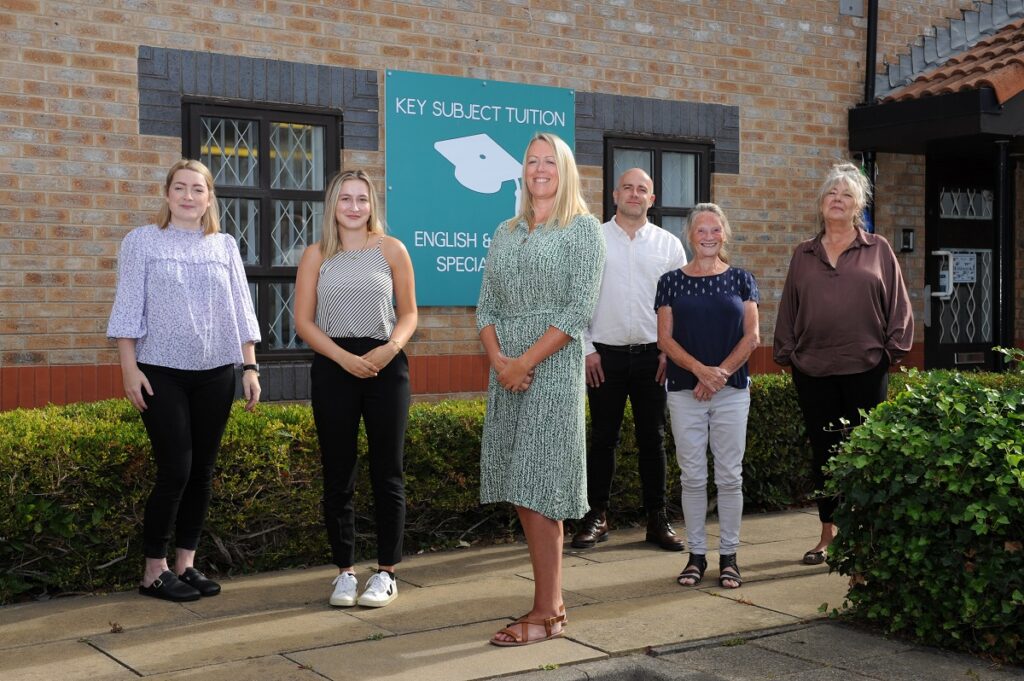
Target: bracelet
<point>392,340</point>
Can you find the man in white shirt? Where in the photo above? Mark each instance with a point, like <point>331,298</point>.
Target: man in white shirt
<point>623,361</point>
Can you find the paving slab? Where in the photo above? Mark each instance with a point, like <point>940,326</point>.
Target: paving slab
<point>630,668</point>
<point>429,569</point>
<point>624,626</point>
<point>73,618</point>
<point>64,660</point>
<point>941,666</point>
<point>446,605</point>
<point>270,668</point>
<point>452,654</point>
<point>646,575</point>
<point>739,660</point>
<point>769,527</point>
<point>623,544</point>
<point>226,639</point>
<point>800,597</point>
<point>281,589</point>
<point>833,645</point>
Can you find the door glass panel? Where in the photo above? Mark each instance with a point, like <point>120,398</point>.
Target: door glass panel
<point>296,225</point>
<point>632,158</point>
<point>241,219</point>
<point>296,156</point>
<point>966,315</point>
<point>678,175</point>
<point>228,147</point>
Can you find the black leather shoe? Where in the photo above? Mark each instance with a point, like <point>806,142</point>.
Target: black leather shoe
<point>169,588</point>
<point>200,582</point>
<point>593,529</point>
<point>660,532</point>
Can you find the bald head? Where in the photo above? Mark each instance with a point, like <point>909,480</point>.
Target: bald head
<point>633,195</point>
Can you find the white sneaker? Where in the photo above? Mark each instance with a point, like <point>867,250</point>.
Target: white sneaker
<point>345,586</point>
<point>380,590</point>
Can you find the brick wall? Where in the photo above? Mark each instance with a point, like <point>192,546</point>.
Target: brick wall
<point>76,175</point>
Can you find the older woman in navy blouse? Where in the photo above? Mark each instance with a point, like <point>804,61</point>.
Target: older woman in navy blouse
<point>708,326</point>
<point>183,320</point>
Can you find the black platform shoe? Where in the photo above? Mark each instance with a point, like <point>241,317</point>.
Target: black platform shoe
<point>169,588</point>
<point>200,582</point>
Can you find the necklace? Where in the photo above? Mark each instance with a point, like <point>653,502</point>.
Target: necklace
<point>702,272</point>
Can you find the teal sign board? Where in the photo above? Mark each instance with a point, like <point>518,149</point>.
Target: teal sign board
<point>454,166</point>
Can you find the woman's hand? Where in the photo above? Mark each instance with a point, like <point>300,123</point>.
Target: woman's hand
<point>513,374</point>
<point>714,378</point>
<point>134,383</point>
<point>251,389</point>
<point>382,355</point>
<point>360,367</point>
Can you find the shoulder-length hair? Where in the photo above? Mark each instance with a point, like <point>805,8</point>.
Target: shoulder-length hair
<point>850,175</point>
<point>330,242</point>
<point>714,209</point>
<point>211,218</point>
<point>569,202</point>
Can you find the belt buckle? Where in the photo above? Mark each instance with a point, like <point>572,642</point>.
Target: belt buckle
<point>637,349</point>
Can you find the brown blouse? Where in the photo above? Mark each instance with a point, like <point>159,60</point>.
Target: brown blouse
<point>840,320</point>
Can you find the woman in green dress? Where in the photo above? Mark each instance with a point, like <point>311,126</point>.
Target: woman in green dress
<point>539,291</point>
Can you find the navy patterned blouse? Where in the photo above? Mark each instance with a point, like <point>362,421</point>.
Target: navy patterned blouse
<point>707,319</point>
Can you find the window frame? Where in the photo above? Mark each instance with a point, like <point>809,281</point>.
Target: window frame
<point>264,273</point>
<point>658,145</point>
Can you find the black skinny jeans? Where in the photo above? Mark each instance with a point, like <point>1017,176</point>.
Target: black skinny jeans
<point>826,399</point>
<point>632,376</point>
<point>339,401</point>
<point>185,418</point>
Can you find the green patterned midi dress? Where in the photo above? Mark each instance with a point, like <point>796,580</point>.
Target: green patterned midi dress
<point>533,452</point>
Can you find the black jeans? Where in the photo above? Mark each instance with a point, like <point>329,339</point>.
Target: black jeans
<point>826,399</point>
<point>633,376</point>
<point>339,401</point>
<point>185,418</point>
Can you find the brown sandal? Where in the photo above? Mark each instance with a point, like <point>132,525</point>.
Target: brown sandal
<point>521,637</point>
<point>561,613</point>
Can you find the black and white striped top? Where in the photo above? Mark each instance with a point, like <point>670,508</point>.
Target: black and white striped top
<point>354,295</point>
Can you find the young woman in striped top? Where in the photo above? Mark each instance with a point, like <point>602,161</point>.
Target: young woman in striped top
<point>344,311</point>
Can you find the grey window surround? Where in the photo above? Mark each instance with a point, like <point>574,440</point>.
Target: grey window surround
<point>167,76</point>
<point>599,115</point>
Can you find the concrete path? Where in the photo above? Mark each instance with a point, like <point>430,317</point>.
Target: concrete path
<point>628,620</point>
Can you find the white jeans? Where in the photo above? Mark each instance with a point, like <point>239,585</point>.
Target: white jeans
<point>722,420</point>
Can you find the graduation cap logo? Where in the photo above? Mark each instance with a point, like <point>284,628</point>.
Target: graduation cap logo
<point>481,164</point>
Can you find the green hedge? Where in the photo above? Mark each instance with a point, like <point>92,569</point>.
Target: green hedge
<point>76,478</point>
<point>932,515</point>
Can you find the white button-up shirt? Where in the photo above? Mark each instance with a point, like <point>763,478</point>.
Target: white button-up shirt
<point>625,309</point>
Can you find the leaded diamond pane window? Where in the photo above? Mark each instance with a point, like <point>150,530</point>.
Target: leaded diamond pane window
<point>229,149</point>
<point>269,171</point>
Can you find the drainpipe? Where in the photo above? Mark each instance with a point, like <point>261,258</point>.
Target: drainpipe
<point>1004,248</point>
<point>870,63</point>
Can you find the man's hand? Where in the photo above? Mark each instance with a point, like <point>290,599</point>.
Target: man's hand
<point>595,374</point>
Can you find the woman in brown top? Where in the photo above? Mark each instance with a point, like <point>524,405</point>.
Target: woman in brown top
<point>844,319</point>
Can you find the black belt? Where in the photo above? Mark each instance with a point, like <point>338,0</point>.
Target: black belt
<point>629,349</point>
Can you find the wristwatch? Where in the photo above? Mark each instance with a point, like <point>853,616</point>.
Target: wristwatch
<point>251,367</point>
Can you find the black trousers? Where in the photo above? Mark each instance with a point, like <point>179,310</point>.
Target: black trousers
<point>627,375</point>
<point>185,418</point>
<point>826,399</point>
<point>339,401</point>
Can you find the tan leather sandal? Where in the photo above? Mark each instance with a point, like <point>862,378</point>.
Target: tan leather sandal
<point>521,637</point>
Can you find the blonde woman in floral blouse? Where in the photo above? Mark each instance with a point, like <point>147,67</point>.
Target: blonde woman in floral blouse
<point>183,320</point>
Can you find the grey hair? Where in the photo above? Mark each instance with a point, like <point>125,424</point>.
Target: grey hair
<point>850,175</point>
<point>717,211</point>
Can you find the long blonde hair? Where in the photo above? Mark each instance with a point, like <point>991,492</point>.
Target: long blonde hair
<point>569,201</point>
<point>211,218</point>
<point>330,242</point>
<point>717,211</point>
